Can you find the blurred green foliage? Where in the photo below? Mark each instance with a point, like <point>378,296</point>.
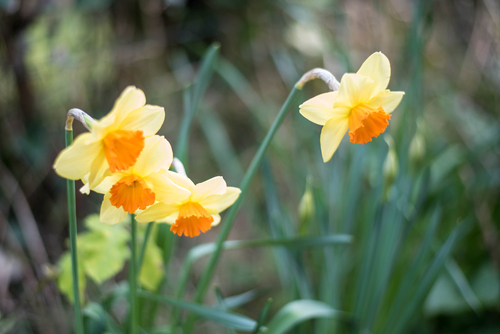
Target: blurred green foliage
<point>425,253</point>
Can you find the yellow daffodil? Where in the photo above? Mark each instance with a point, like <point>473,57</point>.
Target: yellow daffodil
<point>198,212</point>
<point>114,142</point>
<point>141,185</point>
<point>362,105</point>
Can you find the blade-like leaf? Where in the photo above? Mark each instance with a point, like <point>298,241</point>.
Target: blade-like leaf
<point>224,318</point>
<point>429,278</point>
<point>299,311</point>
<point>463,285</point>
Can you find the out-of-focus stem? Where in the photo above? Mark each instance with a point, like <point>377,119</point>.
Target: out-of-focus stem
<point>73,245</point>
<point>134,323</point>
<point>231,215</point>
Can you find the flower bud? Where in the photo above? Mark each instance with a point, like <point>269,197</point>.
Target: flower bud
<point>81,116</point>
<point>322,74</point>
<point>390,168</point>
<point>417,145</point>
<point>306,208</point>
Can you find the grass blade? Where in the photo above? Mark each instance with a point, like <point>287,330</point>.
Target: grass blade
<point>429,278</point>
<point>299,311</point>
<point>191,104</point>
<point>227,319</point>
<point>263,316</point>
<point>456,274</point>
<point>222,306</point>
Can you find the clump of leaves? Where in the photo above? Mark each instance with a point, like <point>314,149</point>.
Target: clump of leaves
<point>102,253</point>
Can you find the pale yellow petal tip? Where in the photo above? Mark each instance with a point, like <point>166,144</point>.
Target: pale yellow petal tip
<point>325,156</point>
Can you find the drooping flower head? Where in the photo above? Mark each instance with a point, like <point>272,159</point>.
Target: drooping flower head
<point>141,185</point>
<point>197,212</point>
<point>115,141</point>
<point>362,105</point>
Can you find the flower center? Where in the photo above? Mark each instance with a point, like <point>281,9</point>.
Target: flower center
<point>366,122</point>
<point>122,147</point>
<point>192,219</point>
<point>132,193</point>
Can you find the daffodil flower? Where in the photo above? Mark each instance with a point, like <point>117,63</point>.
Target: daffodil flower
<point>362,105</point>
<point>198,212</point>
<point>115,141</point>
<point>141,185</point>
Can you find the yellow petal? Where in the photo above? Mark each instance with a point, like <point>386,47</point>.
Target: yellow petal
<point>320,109</point>
<point>98,170</point>
<point>354,89</point>
<point>214,186</point>
<point>74,162</point>
<point>387,100</point>
<point>85,189</point>
<point>377,68</point>
<point>219,203</point>
<point>331,135</point>
<point>108,182</point>
<point>149,119</point>
<point>169,219</point>
<point>216,218</point>
<point>165,190</point>
<point>156,212</point>
<point>130,99</point>
<point>157,154</point>
<point>181,180</point>
<point>110,214</point>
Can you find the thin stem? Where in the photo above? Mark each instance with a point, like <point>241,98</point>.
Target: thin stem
<point>231,215</point>
<point>134,326</point>
<point>73,245</point>
<point>143,247</point>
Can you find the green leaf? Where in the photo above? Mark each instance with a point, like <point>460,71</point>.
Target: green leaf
<point>98,317</point>
<point>463,285</point>
<point>65,279</point>
<point>429,278</point>
<point>244,298</point>
<point>444,298</point>
<point>299,311</point>
<point>194,95</point>
<point>262,316</point>
<point>227,319</point>
<point>485,285</point>
<point>152,266</point>
<point>205,249</point>
<point>103,249</point>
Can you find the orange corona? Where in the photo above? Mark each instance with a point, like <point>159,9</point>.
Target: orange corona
<point>131,193</point>
<point>366,122</point>
<point>192,219</point>
<point>122,148</point>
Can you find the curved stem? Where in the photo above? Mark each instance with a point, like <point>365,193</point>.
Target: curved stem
<point>73,245</point>
<point>231,215</point>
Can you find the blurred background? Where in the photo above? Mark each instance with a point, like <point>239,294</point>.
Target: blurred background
<point>61,54</point>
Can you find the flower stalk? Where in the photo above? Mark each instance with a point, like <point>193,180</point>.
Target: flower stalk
<point>72,237</point>
<point>233,211</point>
<point>134,319</point>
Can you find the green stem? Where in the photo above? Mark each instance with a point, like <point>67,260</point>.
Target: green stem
<point>73,245</point>
<point>134,326</point>
<point>143,247</point>
<point>231,215</point>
